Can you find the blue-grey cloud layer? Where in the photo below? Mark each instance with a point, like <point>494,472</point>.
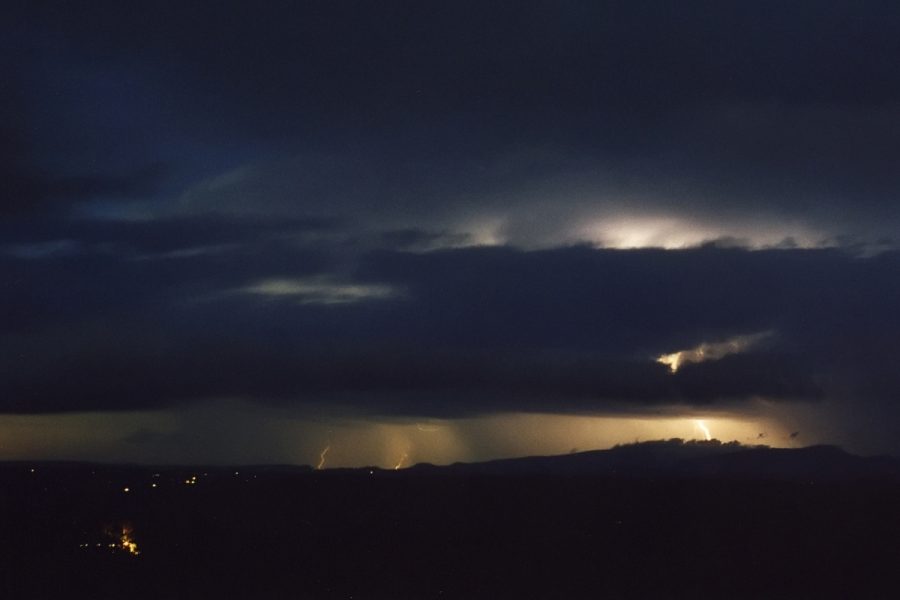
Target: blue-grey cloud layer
<point>468,330</point>
<point>290,202</point>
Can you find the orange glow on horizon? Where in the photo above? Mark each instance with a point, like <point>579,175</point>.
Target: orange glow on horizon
<point>289,437</point>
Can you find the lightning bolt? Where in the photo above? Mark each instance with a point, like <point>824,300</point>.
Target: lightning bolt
<point>673,361</point>
<point>712,350</point>
<point>321,464</point>
<point>704,429</point>
<point>401,461</point>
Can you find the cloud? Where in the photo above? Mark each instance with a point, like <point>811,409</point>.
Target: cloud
<point>712,350</point>
<point>419,204</point>
<point>320,290</point>
<point>109,268</point>
<point>619,127</point>
<point>29,190</point>
<point>711,181</point>
<point>39,250</point>
<point>476,330</point>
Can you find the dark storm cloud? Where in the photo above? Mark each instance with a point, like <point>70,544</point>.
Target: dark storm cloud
<point>720,111</point>
<point>317,157</point>
<point>28,193</point>
<point>161,235</point>
<point>57,270</point>
<point>28,187</point>
<point>476,330</point>
<point>570,53</point>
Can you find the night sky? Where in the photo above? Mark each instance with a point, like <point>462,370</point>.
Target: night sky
<point>389,232</point>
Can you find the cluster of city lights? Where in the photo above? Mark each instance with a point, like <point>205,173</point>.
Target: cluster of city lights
<point>124,542</point>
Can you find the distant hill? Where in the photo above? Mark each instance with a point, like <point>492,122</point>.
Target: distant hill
<point>713,458</point>
<point>662,458</point>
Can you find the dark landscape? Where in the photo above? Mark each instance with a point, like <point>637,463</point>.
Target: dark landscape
<point>654,520</point>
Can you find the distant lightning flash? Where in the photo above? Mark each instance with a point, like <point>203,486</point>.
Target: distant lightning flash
<point>321,464</point>
<point>704,429</point>
<point>708,351</point>
<point>673,361</point>
<point>401,461</point>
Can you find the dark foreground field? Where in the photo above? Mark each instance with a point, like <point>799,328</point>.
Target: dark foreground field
<point>727,526</point>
